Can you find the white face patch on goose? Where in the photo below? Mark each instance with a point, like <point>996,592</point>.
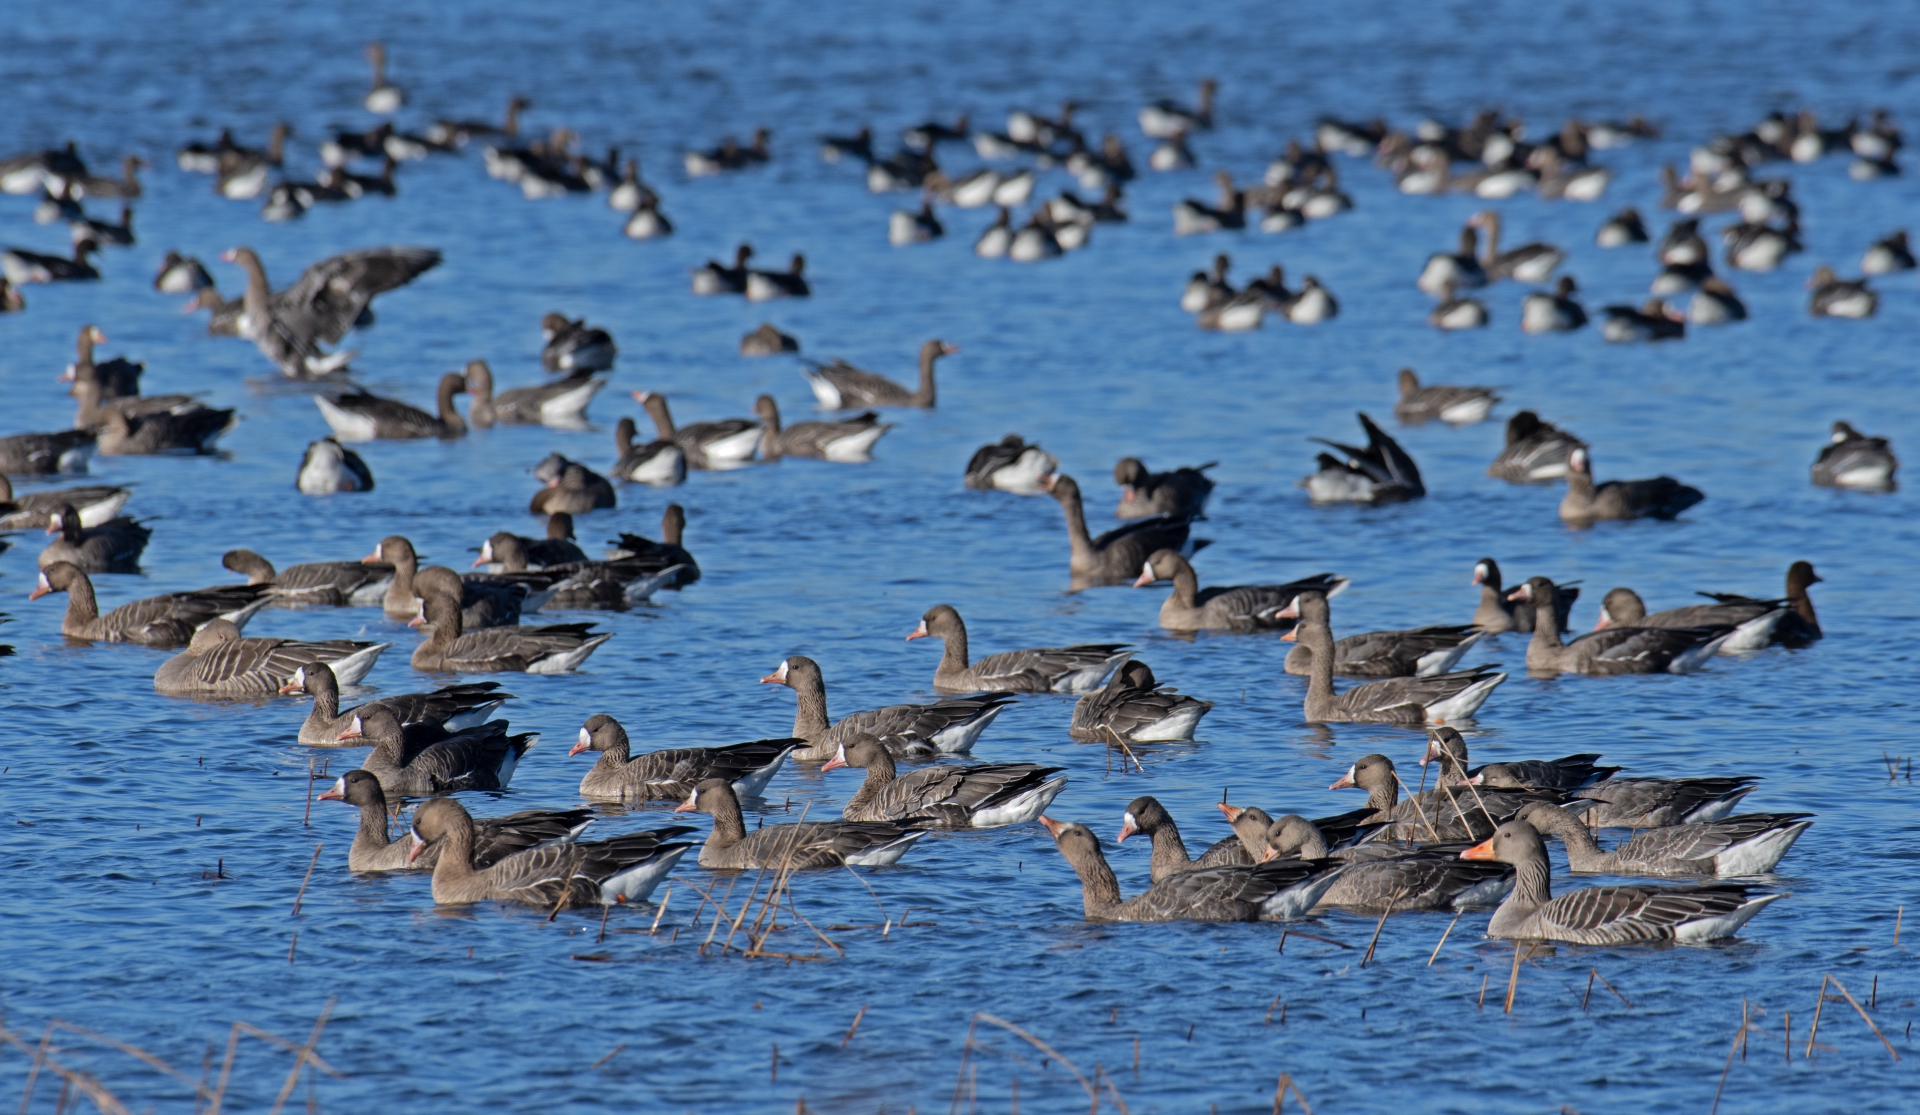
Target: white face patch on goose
<point>1480,573</point>
<point>780,671</point>
<point>299,675</point>
<point>44,584</point>
<point>1127,821</point>
<point>486,550</point>
<point>585,739</point>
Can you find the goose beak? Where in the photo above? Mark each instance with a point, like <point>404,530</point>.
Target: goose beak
<point>40,590</point>
<point>227,256</point>
<point>1053,827</point>
<point>419,846</point>
<point>779,674</point>
<point>1232,812</point>
<point>688,806</point>
<point>1292,635</point>
<point>1479,575</point>
<point>335,792</point>
<point>1482,850</point>
<point>1269,856</point>
<point>372,557</point>
<point>1127,828</point>
<point>417,621</point>
<point>1291,611</point>
<point>585,743</point>
<point>1146,576</point>
<point>919,632</point>
<point>351,731</point>
<point>1346,782</point>
<point>1046,482</point>
<point>838,762</point>
<point>292,686</point>
<point>1524,592</point>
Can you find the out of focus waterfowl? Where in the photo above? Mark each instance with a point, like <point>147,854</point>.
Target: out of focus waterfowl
<point>765,286</point>
<point>1653,321</point>
<point>1165,118</point>
<point>570,487</point>
<point>1010,465</point>
<point>359,416</point>
<point>45,454</point>
<point>1380,473</point>
<point>1536,452</point>
<point>907,226</point>
<point>180,274</point>
<point>574,346</point>
<point>1851,459</point>
<point>112,547</point>
<point>1181,491</point>
<point>557,403</point>
<point>125,186</point>
<point>383,97</point>
<point>1888,255</point>
<point>1715,303</point>
<point>328,467</point>
<point>1454,405</point>
<point>848,440</point>
<point>330,297</point>
<point>164,621</point>
<point>1621,229</point>
<point>767,341</point>
<point>729,156</point>
<point>104,234</point>
<point>1528,263</point>
<point>1457,311</point>
<point>1558,312</point>
<point>667,553</point>
<point>1662,497</point>
<point>21,266</point>
<point>841,386</point>
<point>660,463</point>
<point>727,443</point>
<point>1836,297</point>
<point>1461,268</point>
<point>35,510</point>
<point>1133,707</point>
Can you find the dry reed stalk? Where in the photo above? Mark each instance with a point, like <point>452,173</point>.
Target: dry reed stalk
<point>1112,1092</point>
<point>1818,1004</point>
<point>664,899</point>
<point>855,1028</point>
<point>105,1101</point>
<point>719,913</point>
<point>1873,996</point>
<point>1280,1091</point>
<point>305,880</point>
<point>1443,937</point>
<point>1610,987</point>
<point>604,908</point>
<point>1591,973</point>
<point>250,1030</point>
<point>611,1054</point>
<point>1863,1016</point>
<point>300,1062</point>
<point>1417,808</point>
<point>293,944</point>
<point>1513,981</point>
<point>1136,1054</point>
<point>1787,1028</point>
<point>307,817</point>
<point>1093,1095</point>
<point>1268,1020</point>
<point>775,1077</point>
<point>1897,913</point>
<point>1381,924</point>
<point>1482,1004</point>
<point>1738,1039</point>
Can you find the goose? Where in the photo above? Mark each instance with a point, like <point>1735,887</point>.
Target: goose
<point>1193,218</point>
<point>1207,288</point>
<point>1459,269</point>
<point>180,274</point>
<point>647,223</point>
<point>1613,650</point>
<point>1454,405</point>
<point>1851,459</point>
<point>1760,247</point>
<point>1310,305</point>
<point>1133,707</point>
<point>495,838</point>
<point>1163,119</point>
<point>1113,557</point>
<point>714,277</point>
<point>240,173</point>
<point>1435,698</point>
<point>561,403</point>
<point>112,547</point>
<point>575,347</point>
<point>841,386</point>
<point>116,378</point>
<point>1888,255</point>
<point>570,487</point>
<point>1075,669</point>
<point>1835,297</point>
<point>1010,465</point>
<point>577,582</point>
<point>1654,321</point>
<point>767,341</point>
<point>50,171</point>
<point>1109,210</point>
<point>848,441</point>
<point>63,207</point>
<point>668,553</point>
<point>799,846</point>
<point>1682,244</point>
<point>125,186</point>
<point>730,156</point>
<point>1241,313</point>
<point>453,708</point>
<point>1756,623</point>
<point>102,233</point>
<point>1662,497</point>
<point>185,428</point>
<point>1715,303</point>
<point>553,649</point>
<point>359,416</point>
<point>35,510</point>
<point>557,548</point>
<point>1172,153</point>
<point>1315,199</point>
<point>11,300</point>
<point>1866,170</point>
<point>905,226</point>
<point>1528,263</point>
<point>1380,473</point>
<point>904,171</point>
<point>660,463</point>
<point>1182,491</point>
<point>1561,177</point>
<point>630,193</point>
<point>164,621</point>
<point>1383,880</point>
<point>1497,615</point>
<point>765,286</point>
<point>927,136</point>
<point>1242,609</point>
<point>383,97</point>
<point>857,146</point>
<point>457,133</point>
<point>219,662</point>
<point>328,467</point>
<point>1428,173</point>
<point>1749,844</point>
<point>1657,802</point>
<point>1448,748</point>
<point>45,454</point>
<point>1536,451</point>
<point>317,584</point>
<point>728,443</point>
<point>1282,889</point>
<point>1614,915</point>
<point>1438,815</point>
<point>1035,241</point>
<point>670,774</point>
<point>22,267</point>
<point>1456,311</point>
<point>1145,816</point>
<point>1414,652</point>
<point>204,158</point>
<point>1621,229</point>
<point>1558,312</point>
<point>618,871</point>
<point>487,600</point>
<point>982,796</point>
<point>331,297</point>
<point>997,238</point>
<point>914,733</point>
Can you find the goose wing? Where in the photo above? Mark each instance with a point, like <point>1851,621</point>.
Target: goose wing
<point>1391,693</point>
<point>535,876</point>
<point>321,578</point>
<point>1398,465</point>
<point>953,794</point>
<point>818,843</point>
<point>859,386</point>
<point>1615,915</point>
<point>330,296</point>
<point>496,838</point>
<point>1039,667</point>
<point>1166,531</point>
<point>521,645</point>
<point>1703,841</point>
<point>1396,653</point>
<point>387,411</point>
<point>907,728</point>
<point>263,665</point>
<point>1629,800</point>
<point>989,459</point>
<point>685,766</point>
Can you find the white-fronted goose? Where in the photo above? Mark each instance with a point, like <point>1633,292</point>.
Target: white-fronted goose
<point>1208,288</point>
<point>1413,652</point>
<point>102,233</point>
<point>1448,748</point>
<point>799,846</point>
<point>1380,473</point>
<point>138,426</point>
<point>21,266</point>
<point>907,226</point>
<point>1642,803</point>
<point>125,186</point>
<point>1756,623</point>
<point>1165,118</point>
<point>581,583</point>
<point>1832,296</point>
<point>1612,650</point>
<point>664,554</point>
<point>1182,491</point>
<point>1654,321</point>
<point>1605,915</point>
<point>1888,255</point>
<point>1281,889</point>
<point>1558,312</point>
<point>1682,244</point>
<point>729,156</point>
<point>714,277</point>
<point>112,547</point>
<point>1172,153</point>
<point>1536,452</point>
<point>996,240</point>
<point>857,146</point>
<point>925,137</point>
<point>1243,609</point>
<point>35,510</point>
<point>1759,246</point>
<point>1454,405</point>
<point>1440,814</point>
<point>727,443</point>
<point>1662,497</point>
<point>841,386</point>
<point>552,649</point>
<point>1497,615</point>
<point>767,341</point>
<point>330,297</point>
<point>660,463</point>
<point>557,548</point>
<point>359,416</point>
<point>561,403</point>
<point>1392,880</point>
<point>383,97</point>
<point>611,872</point>
<point>1851,459</point>
<point>1010,465</point>
<point>1077,669</point>
<point>917,733</point>
<point>1237,314</point>
<point>575,347</point>
<point>328,467</point>
<point>1715,303</point>
<point>1457,311</point>
<point>848,441</point>
<point>1621,229</point>
<point>647,223</point>
<point>488,600</point>
<point>1409,701</point>
<point>765,286</point>
<point>670,774</point>
<point>452,708</point>
<point>1115,557</point>
<point>1528,263</point>
<point>45,454</point>
<point>1133,707</point>
<point>630,193</point>
<point>983,796</point>
<point>1145,816</point>
<point>219,662</point>
<point>164,621</point>
<point>1192,217</point>
<point>204,158</point>
<point>420,759</point>
<point>317,584</point>
<point>495,838</point>
<point>1748,844</point>
<point>1460,268</point>
<point>570,487</point>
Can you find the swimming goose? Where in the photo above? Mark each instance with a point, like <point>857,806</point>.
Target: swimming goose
<point>1310,305</point>
<point>557,548</point>
<point>164,621</point>
<point>1850,459</point>
<point>204,158</point>
<point>314,584</point>
<point>383,97</point>
<point>1460,269</point>
<point>488,600</point>
<point>848,441</point>
<point>1682,244</point>
<point>1172,154</point>
<point>561,403</point>
<point>1115,556</point>
<point>48,453</point>
<point>972,190</point>
<point>1749,844</point>
<point>915,733</point>
<point>1075,669</point>
<point>904,171</point>
<point>617,871</point>
<point>1036,240</point>
<point>575,347</point>
<point>1414,652</point>
<point>125,186</point>
<point>570,487</point>
<point>1384,879</point>
<point>1240,313</point>
<point>630,193</point>
<point>1448,748</point>
<point>1528,263</point>
<point>841,386</point>
<point>1613,650</point>
<point>112,547</point>
<point>1760,247</point>
<point>1207,288</point>
<point>457,133</point>
<point>1281,889</point>
<point>218,662</point>
<point>665,554</point>
<point>495,838</point>
<point>729,156</point>
<point>1165,118</point>
<point>1444,813</point>
<point>1715,303</point>
<point>982,796</point>
<point>1010,465</point>
<point>765,286</point>
<point>22,267</point>
<point>1497,615</point>
<point>660,463</point>
<point>142,427</point>
<point>1536,451</point>
<point>1380,473</point>
<point>1243,609</point>
<point>1133,707</point>
<point>996,239</point>
<point>1458,312</point>
<point>1834,297</point>
<point>714,277</point>
<point>1755,622</point>
<point>799,846</point>
<point>35,510</point>
<point>240,173</point>
<point>767,341</point>
<point>1615,915</point>
<point>671,773</point>
<point>180,274</point>
<point>553,649</point>
<point>1657,802</point>
<point>1182,491</point>
<point>1454,405</point>
<point>1654,321</point>
<point>1887,255</point>
<point>1145,816</point>
<point>905,226</point>
<point>101,233</point>
<point>116,378</point>
<point>359,416</point>
<point>647,222</point>
<point>1192,218</point>
<point>453,708</point>
<point>1621,229</point>
<point>328,467</point>
<point>925,137</point>
<point>728,443</point>
<point>1662,497</point>
<point>1409,701</point>
<point>857,146</point>
<point>1562,177</point>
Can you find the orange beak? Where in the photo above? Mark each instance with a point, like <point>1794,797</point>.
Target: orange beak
<point>291,687</point>
<point>38,592</point>
<point>419,846</point>
<point>478,562</point>
<point>372,557</point>
<point>838,762</point>
<point>1521,593</point>
<point>919,632</point>
<point>1482,850</point>
<point>1232,811</point>
<point>687,806</point>
<point>351,731</point>
<point>1604,621</point>
<point>776,679</point>
<point>1145,578</point>
<point>1291,611</point>
<point>1269,856</point>
<point>1126,829</point>
<point>417,621</point>
<point>1053,827</point>
<point>1292,636</point>
<point>1346,781</point>
<point>584,743</point>
<point>333,792</point>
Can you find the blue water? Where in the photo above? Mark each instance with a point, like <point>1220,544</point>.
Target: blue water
<point>119,803</point>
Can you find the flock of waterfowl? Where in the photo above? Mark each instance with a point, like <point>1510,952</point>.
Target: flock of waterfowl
<point>1475,839</point>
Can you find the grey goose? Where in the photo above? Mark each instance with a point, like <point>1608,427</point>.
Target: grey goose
<point>1409,701</point>
<point>839,385</point>
<point>423,758</point>
<point>799,846</point>
<point>495,838</point>
<point>453,707</point>
<point>1076,669</point>
<point>1242,609</point>
<point>1282,889</point>
<point>1745,844</point>
<point>165,621</point>
<point>315,584</point>
<point>1132,707</point>
<point>1613,650</point>
<point>916,733</point>
<point>620,870</point>
<point>670,774</point>
<point>1662,497</point>
<point>219,662</point>
<point>1117,556</point>
<point>981,796</point>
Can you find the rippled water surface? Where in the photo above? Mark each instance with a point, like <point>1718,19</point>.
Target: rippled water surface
<point>119,804</point>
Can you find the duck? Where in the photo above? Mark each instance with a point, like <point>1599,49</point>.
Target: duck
<point>315,584</point>
<point>164,621</point>
<point>1434,698</point>
<point>1528,263</point>
<point>1145,816</point>
<point>553,649</point>
<point>495,838</point>
<point>980,796</point>
<point>1454,405</point>
<point>1380,473</point>
<point>1193,218</point>
<point>561,403</point>
<point>1075,669</point>
<point>1715,303</point>
<point>1011,464</point>
<point>906,226</point>
<point>22,267</point>
<point>1612,915</point>
<point>575,347</point>
<point>452,708</point>
<point>328,467</point>
<point>664,554</point>
<point>1613,650</point>
<point>1456,312</point>
<point>996,240</point>
<point>1749,844</point>
<point>729,156</point>
<point>1460,268</point>
<point>1640,803</point>
<point>1383,879</point>
<point>1448,748</point>
<point>1163,119</point>
<point>359,416</point>
<point>1242,609</point>
<point>767,341</point>
<point>914,733</point>
<point>1278,890</point>
<point>839,385</point>
<point>1133,707</point>
<point>1835,297</point>
<point>660,463</point>
<point>670,774</point>
<point>1621,229</point>
<point>487,600</point>
<point>1113,557</point>
<point>1654,321</point>
<point>1888,255</point>
<point>847,441</point>
<point>42,454</point>
<point>728,443</point>
<point>646,222</point>
<point>1413,652</point>
<point>714,277</point>
<point>220,662</point>
<point>112,547</point>
<point>1180,491</point>
<point>1851,459</point>
<point>1497,615</point>
<point>35,510</point>
<point>180,274</point>
<point>800,846</point>
<point>1439,815</point>
<point>619,871</point>
<point>1536,451</point>
<point>1662,497</point>
<point>570,487</point>
<point>765,286</point>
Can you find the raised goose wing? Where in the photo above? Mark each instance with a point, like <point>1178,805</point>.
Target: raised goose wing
<point>1614,915</point>
<point>1399,466</point>
<point>332,294</point>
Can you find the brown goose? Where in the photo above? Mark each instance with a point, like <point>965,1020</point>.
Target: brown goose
<point>1133,707</point>
<point>610,872</point>
<point>1605,915</point>
<point>1009,465</point>
<point>1281,889</point>
<point>1146,816</point>
<point>495,838</point>
<point>329,298</point>
<point>486,599</point>
<point>983,796</point>
<point>1612,650</point>
<point>1116,556</point>
<point>1183,491</point>
<point>1389,879</point>
<point>358,416</point>
<point>1079,669</point>
<point>165,621</point>
<point>35,510</point>
<point>420,759</point>
<point>1414,652</point>
<point>671,773</point>
<point>553,649</point>
<point>660,463</point>
<point>1440,814</point>
<point>1662,497</point>
<point>849,441</point>
<point>582,584</point>
<point>147,427</point>
<point>1456,406</point>
<point>1536,452</point>
<point>767,341</point>
<point>728,443</point>
<point>916,733</point>
<point>570,487</point>
<point>1760,621</point>
<point>333,584</point>
<point>1409,701</point>
<point>557,548</point>
<point>560,403</point>
<point>453,708</point>
<point>108,382</point>
<point>220,663</point>
<point>799,846</point>
<point>1448,748</point>
<point>1243,609</point>
<point>112,547</point>
<point>1497,615</point>
<point>1749,844</point>
<point>841,386</point>
<point>664,554</point>
<point>1657,802</point>
<point>46,454</point>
